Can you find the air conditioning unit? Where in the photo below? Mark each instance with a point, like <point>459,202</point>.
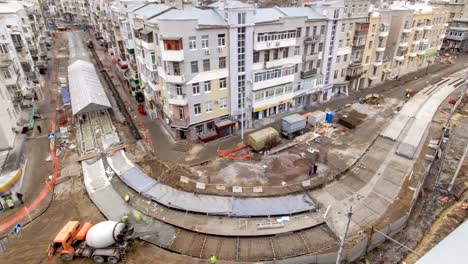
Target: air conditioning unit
<point>207,52</point>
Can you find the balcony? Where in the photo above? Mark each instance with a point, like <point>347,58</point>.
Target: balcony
<point>359,43</point>
<point>153,85</point>
<point>308,74</point>
<point>172,55</point>
<point>378,63</point>
<point>355,64</point>
<point>407,30</point>
<point>312,39</point>
<point>421,52</point>
<point>428,27</point>
<point>400,58</point>
<point>353,75</point>
<point>264,45</point>
<point>442,36</point>
<point>180,122</point>
<point>178,99</point>
<point>273,82</point>
<point>380,49</point>
<point>278,63</point>
<point>383,32</point>
<point>403,44</point>
<point>412,54</point>
<point>171,77</point>
<point>420,28</point>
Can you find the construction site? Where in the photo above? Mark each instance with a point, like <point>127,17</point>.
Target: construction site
<point>382,167</point>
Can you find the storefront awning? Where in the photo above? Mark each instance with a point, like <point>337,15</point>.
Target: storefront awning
<point>224,123</point>
<point>272,105</point>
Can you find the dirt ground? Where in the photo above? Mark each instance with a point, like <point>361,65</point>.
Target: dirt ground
<point>434,216</point>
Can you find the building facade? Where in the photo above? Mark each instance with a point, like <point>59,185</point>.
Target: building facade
<point>209,72</point>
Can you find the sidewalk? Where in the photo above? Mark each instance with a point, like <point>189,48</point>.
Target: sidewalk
<point>203,152</point>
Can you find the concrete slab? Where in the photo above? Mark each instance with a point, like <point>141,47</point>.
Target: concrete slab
<point>375,203</point>
<point>395,172</point>
<point>387,189</point>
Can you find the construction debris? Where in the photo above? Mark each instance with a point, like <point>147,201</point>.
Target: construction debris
<point>352,119</point>
<point>372,99</point>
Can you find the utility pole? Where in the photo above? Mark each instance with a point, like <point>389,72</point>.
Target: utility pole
<point>340,251</point>
<point>460,163</point>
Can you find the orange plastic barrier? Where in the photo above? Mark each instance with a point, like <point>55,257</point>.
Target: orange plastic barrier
<point>227,152</point>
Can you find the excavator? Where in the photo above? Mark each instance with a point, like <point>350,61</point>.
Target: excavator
<point>105,241</point>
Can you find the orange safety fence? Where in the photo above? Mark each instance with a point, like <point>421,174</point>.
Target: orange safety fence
<point>227,152</point>
<point>46,189</point>
<point>243,156</point>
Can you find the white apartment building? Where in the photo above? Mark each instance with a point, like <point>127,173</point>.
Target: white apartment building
<point>8,115</point>
<point>288,55</point>
<point>17,65</point>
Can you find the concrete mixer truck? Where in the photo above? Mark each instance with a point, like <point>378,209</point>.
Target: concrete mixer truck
<point>105,241</point>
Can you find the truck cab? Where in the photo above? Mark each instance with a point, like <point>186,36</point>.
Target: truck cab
<point>63,245</point>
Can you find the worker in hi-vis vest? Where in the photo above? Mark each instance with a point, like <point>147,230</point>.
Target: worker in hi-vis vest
<point>213,259</point>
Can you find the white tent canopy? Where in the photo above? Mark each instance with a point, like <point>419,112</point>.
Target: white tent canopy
<point>86,91</point>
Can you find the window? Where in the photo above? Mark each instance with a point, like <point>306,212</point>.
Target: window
<point>320,47</point>
<point>314,31</point>
<point>343,72</point>
<point>312,48</point>
<point>340,43</point>
<point>296,50</point>
<point>222,62</point>
<point>194,66</point>
<point>266,55</point>
<point>178,89</point>
<point>241,18</point>
<point>256,56</point>
<point>285,52</point>
<point>338,59</point>
<point>192,43</point>
<point>343,27</point>
<point>223,102</point>
<point>6,74</point>
<point>335,74</point>
<point>275,54</point>
<point>204,42</point>
<point>208,106</point>
<point>298,32</point>
<point>221,40</point>
<point>207,86</point>
<point>259,96</point>
<point>345,57</point>
<point>322,30</point>
<point>374,71</point>
<point>3,48</point>
<point>197,109</point>
<point>196,88</point>
<point>370,44</point>
<point>319,63</point>
<point>222,83</point>
<point>206,65</point>
<point>307,31</point>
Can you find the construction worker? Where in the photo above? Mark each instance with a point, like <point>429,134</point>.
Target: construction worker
<point>213,259</point>
<point>39,129</point>
<point>315,168</point>
<point>127,198</point>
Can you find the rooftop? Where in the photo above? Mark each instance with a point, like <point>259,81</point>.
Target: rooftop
<point>207,17</point>
<point>148,11</point>
<point>263,15</point>
<point>231,4</point>
<point>86,91</point>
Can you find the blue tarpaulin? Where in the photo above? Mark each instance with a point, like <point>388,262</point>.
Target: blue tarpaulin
<point>65,95</point>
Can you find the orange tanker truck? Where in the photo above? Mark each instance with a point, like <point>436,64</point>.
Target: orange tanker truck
<point>105,241</point>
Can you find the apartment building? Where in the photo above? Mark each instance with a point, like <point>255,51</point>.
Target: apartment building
<point>344,18</point>
<point>397,39</point>
<point>75,11</point>
<point>288,54</point>
<point>16,63</point>
<point>192,63</point>
<point>456,37</point>
<point>9,114</point>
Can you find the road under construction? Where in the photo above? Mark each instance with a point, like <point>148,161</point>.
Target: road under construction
<point>301,227</point>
